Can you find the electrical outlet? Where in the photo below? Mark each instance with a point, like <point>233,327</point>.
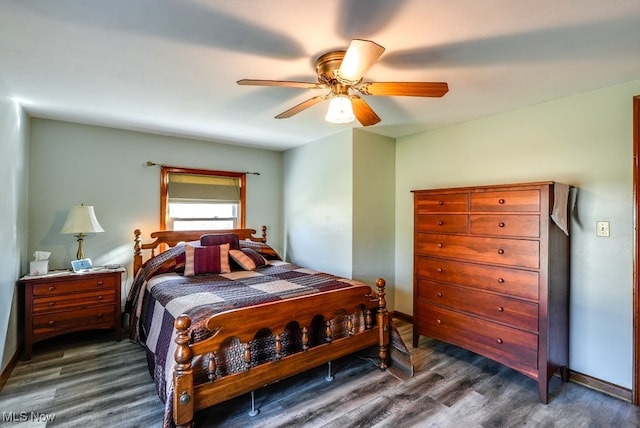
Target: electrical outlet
<point>602,228</point>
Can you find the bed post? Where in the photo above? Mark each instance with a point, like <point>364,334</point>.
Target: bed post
<point>183,374</point>
<point>383,323</point>
<point>137,251</point>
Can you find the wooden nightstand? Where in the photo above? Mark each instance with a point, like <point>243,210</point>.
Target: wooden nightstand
<point>62,303</point>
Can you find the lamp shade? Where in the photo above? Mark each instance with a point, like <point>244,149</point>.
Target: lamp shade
<point>340,110</point>
<point>81,219</point>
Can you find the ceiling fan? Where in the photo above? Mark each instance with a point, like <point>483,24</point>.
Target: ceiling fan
<point>341,72</point>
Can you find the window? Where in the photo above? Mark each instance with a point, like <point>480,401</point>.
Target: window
<point>196,199</point>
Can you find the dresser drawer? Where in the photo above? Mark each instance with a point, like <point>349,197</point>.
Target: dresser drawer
<point>524,225</point>
<point>514,282</point>
<point>507,200</point>
<point>443,202</point>
<point>443,223</point>
<point>79,319</point>
<point>510,346</point>
<point>91,282</point>
<point>506,310</point>
<point>77,300</point>
<point>512,252</point>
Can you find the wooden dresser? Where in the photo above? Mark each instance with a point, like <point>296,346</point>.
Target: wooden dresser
<point>491,276</point>
<point>63,303</point>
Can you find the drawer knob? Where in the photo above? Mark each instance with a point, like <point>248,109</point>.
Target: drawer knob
<point>440,222</point>
<point>439,294</point>
<point>439,321</point>
<point>501,224</point>
<point>51,322</point>
<point>500,309</point>
<point>52,287</point>
<point>501,280</point>
<point>99,315</point>
<point>439,270</point>
<point>52,303</point>
<point>100,282</point>
<point>439,245</point>
<point>440,202</point>
<point>100,297</point>
<point>500,251</point>
<point>499,341</point>
<point>501,201</point>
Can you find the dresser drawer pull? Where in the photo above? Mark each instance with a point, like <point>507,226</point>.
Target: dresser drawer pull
<point>499,341</point>
<point>99,315</point>
<point>439,321</point>
<point>100,297</point>
<point>440,245</point>
<point>440,222</point>
<point>501,224</point>
<point>439,294</point>
<point>500,309</point>
<point>52,287</point>
<point>501,201</point>
<point>52,303</point>
<point>51,322</point>
<point>501,280</point>
<point>100,282</point>
<point>500,251</point>
<point>440,202</point>
<point>439,270</point>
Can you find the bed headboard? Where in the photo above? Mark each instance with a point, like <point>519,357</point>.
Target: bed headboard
<point>170,238</point>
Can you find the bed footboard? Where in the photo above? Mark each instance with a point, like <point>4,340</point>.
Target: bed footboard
<point>243,324</point>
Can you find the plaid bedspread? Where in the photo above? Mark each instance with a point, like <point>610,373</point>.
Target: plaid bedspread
<point>159,295</point>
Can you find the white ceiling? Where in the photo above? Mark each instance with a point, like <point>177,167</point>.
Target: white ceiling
<point>170,67</point>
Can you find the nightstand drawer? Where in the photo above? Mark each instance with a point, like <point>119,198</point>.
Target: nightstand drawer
<point>78,300</point>
<point>68,302</point>
<point>76,319</point>
<point>92,282</point>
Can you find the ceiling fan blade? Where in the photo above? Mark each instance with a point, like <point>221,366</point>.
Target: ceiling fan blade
<point>406,89</point>
<point>363,111</point>
<point>360,55</point>
<point>302,106</point>
<point>285,83</point>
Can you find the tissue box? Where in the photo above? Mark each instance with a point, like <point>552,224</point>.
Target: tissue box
<point>39,267</point>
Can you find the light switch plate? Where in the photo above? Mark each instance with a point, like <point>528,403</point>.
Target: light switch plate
<point>602,229</point>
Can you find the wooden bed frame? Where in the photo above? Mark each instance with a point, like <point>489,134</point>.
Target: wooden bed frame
<point>244,323</point>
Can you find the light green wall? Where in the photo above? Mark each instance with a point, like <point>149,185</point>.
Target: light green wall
<point>72,164</point>
<point>14,150</point>
<point>585,141</point>
<point>318,195</point>
<point>373,208</point>
<point>339,211</point>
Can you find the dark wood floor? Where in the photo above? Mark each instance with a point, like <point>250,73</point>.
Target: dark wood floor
<point>92,381</point>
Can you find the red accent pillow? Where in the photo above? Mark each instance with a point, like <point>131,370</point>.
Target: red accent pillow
<point>247,258</point>
<point>208,259</point>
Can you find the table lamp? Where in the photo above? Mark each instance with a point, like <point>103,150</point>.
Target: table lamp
<point>80,221</point>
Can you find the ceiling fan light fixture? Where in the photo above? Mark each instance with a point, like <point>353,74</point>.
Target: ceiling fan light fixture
<point>340,110</point>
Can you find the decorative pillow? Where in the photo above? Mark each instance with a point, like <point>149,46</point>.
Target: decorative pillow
<point>209,259</point>
<point>260,247</point>
<point>247,258</point>
<point>224,238</point>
